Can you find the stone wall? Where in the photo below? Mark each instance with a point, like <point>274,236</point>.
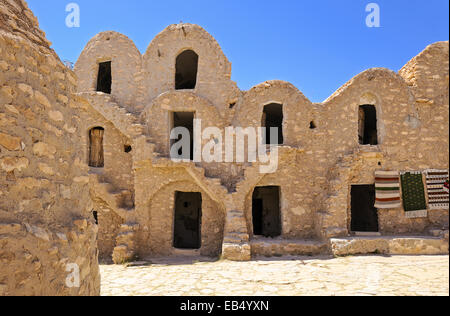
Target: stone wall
<point>45,208</point>
<point>126,63</point>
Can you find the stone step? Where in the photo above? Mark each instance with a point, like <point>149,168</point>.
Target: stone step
<point>236,237</point>
<point>284,247</point>
<point>390,245</point>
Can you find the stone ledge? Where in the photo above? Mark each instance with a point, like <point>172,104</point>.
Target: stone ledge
<point>390,245</point>
<point>285,247</point>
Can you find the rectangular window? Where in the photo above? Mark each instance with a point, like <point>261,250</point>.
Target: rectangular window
<point>104,78</point>
<point>273,118</point>
<point>186,120</point>
<point>368,134</point>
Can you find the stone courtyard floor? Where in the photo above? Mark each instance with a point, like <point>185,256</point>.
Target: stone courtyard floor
<point>367,275</point>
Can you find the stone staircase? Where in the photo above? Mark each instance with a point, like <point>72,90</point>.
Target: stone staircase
<point>120,201</point>
<point>331,222</point>
<point>125,250</point>
<point>126,122</point>
<point>236,243</point>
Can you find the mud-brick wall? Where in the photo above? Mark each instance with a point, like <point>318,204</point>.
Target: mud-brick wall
<point>44,196</point>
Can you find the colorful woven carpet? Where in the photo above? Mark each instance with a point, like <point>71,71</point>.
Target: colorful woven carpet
<point>438,197</point>
<point>413,193</point>
<point>387,188</point>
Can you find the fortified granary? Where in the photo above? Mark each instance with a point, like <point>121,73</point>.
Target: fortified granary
<point>86,169</point>
<point>147,205</point>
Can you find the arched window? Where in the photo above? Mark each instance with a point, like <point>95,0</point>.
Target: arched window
<point>96,156</point>
<point>368,132</point>
<point>186,70</point>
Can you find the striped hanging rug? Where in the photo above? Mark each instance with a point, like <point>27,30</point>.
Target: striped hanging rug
<point>387,188</point>
<point>437,189</point>
<point>413,194</point>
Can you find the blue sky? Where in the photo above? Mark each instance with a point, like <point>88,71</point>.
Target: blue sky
<point>318,45</point>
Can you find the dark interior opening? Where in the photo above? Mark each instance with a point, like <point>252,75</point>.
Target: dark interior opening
<point>96,155</point>
<point>187,223</point>
<point>186,70</point>
<point>363,212</point>
<point>368,134</point>
<point>127,148</point>
<point>95,214</point>
<point>266,211</point>
<point>186,120</point>
<point>273,117</point>
<point>312,125</point>
<point>104,78</point>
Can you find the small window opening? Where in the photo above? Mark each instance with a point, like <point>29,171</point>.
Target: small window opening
<point>104,78</point>
<point>186,70</point>
<point>266,211</point>
<point>273,117</point>
<point>312,125</point>
<point>95,214</point>
<point>186,120</point>
<point>187,222</point>
<point>368,134</point>
<point>128,148</point>
<point>232,105</point>
<point>96,155</point>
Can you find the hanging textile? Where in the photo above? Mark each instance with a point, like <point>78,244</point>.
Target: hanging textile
<point>413,194</point>
<point>438,196</point>
<point>387,188</point>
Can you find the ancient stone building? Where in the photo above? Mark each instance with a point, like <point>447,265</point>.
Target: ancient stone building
<point>46,226</point>
<point>86,170</point>
<point>149,205</point>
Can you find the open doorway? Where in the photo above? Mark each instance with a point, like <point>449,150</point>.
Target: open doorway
<point>186,120</point>
<point>363,212</point>
<point>104,78</point>
<point>187,221</point>
<point>266,211</point>
<point>273,118</point>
